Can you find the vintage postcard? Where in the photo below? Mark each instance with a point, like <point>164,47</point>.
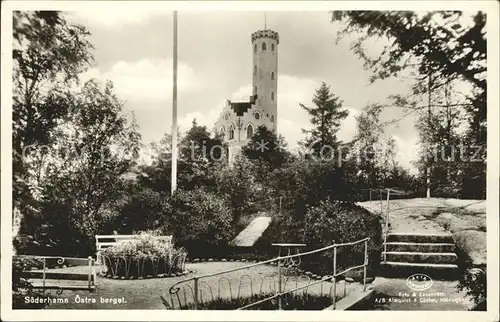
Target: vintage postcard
<point>191,160</point>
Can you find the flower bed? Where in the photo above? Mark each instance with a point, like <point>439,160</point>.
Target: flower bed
<point>143,257</point>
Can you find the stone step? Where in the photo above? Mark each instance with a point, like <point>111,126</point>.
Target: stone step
<point>421,257</point>
<point>249,236</point>
<point>420,238</point>
<point>405,269</point>
<point>420,247</point>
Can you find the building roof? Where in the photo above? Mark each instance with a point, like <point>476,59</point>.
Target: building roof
<point>241,108</point>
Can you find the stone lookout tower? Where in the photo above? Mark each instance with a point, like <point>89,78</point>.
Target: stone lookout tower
<point>239,120</point>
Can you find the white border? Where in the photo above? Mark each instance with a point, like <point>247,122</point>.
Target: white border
<point>490,7</point>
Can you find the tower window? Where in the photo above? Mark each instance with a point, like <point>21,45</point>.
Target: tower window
<point>222,131</point>
<point>231,132</point>
<point>255,70</point>
<point>272,76</point>
<point>272,96</point>
<point>257,115</point>
<point>255,48</point>
<point>263,46</point>
<point>272,118</point>
<point>249,131</point>
<point>255,89</point>
<point>272,47</point>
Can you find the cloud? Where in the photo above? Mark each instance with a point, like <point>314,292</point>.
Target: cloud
<point>146,80</point>
<point>407,151</point>
<point>111,16</point>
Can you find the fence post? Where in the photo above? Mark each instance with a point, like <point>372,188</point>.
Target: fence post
<point>90,272</point>
<point>94,275</point>
<point>334,277</point>
<point>196,293</point>
<point>97,249</point>
<point>43,277</point>
<point>365,265</point>
<point>279,283</point>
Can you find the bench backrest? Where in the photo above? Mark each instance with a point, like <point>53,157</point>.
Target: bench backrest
<point>112,240</point>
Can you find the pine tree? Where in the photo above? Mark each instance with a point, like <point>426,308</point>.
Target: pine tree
<point>325,116</point>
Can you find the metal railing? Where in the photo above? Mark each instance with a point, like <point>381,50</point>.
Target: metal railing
<point>44,274</point>
<point>386,217</point>
<point>198,282</point>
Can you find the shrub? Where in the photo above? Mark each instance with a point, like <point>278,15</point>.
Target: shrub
<point>145,209</point>
<point>304,183</point>
<point>328,223</point>
<point>201,222</point>
<point>238,186</point>
<point>143,256</point>
<point>473,281</point>
<point>335,222</point>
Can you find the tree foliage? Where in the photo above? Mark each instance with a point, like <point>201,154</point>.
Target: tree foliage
<point>83,176</point>
<point>48,55</point>
<point>325,117</point>
<point>200,154</point>
<point>442,50</point>
<point>268,147</point>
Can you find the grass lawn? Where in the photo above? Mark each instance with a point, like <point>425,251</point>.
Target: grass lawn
<point>146,294</point>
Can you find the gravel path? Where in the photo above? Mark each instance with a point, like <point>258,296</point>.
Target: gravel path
<point>146,293</point>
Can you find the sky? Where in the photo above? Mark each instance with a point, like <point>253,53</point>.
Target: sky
<point>133,49</point>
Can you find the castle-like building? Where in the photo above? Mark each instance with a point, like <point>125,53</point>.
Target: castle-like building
<point>239,120</point>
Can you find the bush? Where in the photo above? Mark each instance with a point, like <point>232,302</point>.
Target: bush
<point>330,222</point>
<point>474,282</point>
<point>304,183</point>
<point>22,288</point>
<point>335,222</point>
<point>143,256</point>
<point>145,209</point>
<point>201,222</point>
<point>238,185</point>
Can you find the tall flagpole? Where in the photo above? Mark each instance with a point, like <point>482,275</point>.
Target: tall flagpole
<point>174,111</point>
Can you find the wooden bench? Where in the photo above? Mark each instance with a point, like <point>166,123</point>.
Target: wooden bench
<point>46,278</point>
<point>105,241</point>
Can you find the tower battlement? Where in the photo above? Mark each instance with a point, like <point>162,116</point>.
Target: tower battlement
<point>266,34</point>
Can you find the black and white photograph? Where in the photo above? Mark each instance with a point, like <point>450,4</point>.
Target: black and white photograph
<point>185,157</point>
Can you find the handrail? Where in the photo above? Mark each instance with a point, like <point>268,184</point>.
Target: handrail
<point>91,280</point>
<point>274,259</point>
<point>174,289</point>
